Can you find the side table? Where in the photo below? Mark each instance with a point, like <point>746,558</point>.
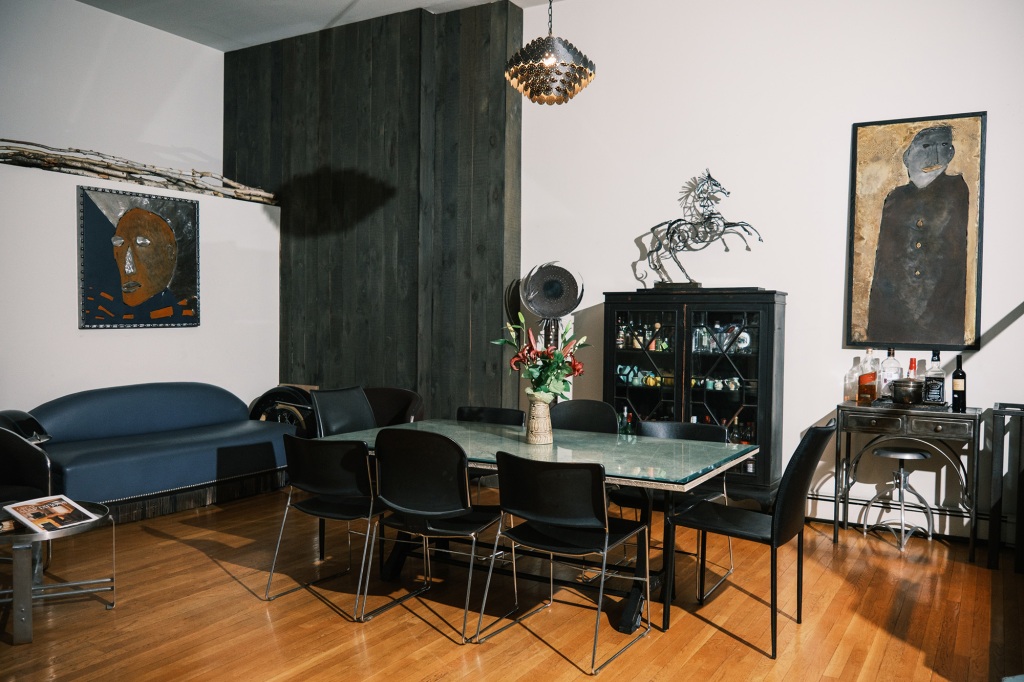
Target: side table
<point>23,592</point>
<point>1000,413</point>
<point>937,429</point>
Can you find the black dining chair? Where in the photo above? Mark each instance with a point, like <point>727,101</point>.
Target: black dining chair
<point>332,478</point>
<point>774,528</point>
<point>505,416</point>
<point>393,406</point>
<point>423,481</point>
<point>502,416</point>
<point>341,410</point>
<point>25,474</point>
<point>584,415</point>
<point>560,509</point>
<point>626,497</point>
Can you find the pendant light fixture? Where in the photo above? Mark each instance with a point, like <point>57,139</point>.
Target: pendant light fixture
<point>549,70</point>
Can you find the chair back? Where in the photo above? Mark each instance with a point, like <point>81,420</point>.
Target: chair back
<point>505,416</point>
<point>24,468</point>
<point>567,494</point>
<point>421,475</point>
<point>328,467</point>
<point>584,415</point>
<point>341,410</point>
<point>393,406</point>
<point>712,433</point>
<point>791,499</point>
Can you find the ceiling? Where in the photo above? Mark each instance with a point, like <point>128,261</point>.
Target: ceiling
<point>234,24</point>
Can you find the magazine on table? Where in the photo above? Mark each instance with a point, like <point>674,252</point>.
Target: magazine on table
<point>49,513</point>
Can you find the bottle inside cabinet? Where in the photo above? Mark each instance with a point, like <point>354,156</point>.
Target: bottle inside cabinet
<point>709,355</point>
<point>645,366</point>
<point>724,365</point>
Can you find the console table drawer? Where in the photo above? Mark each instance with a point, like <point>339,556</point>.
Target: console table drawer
<point>941,428</point>
<point>873,423</point>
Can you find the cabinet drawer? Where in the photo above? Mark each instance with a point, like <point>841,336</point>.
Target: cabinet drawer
<point>941,428</point>
<point>873,423</point>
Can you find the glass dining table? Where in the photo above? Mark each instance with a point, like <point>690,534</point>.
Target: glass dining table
<point>647,463</point>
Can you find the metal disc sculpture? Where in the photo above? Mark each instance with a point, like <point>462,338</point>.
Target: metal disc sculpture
<point>551,292</point>
<point>700,226</point>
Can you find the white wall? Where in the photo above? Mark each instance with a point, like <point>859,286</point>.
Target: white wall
<point>74,76</point>
<point>764,94</point>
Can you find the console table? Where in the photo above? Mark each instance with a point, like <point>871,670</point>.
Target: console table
<point>937,430</point>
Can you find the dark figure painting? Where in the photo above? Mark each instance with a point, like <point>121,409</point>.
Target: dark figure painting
<point>920,275</point>
<point>915,233</point>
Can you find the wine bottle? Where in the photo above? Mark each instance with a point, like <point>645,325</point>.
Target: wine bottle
<point>959,399</point>
<point>935,382</point>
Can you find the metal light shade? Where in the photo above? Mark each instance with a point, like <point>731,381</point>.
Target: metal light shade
<point>549,70</point>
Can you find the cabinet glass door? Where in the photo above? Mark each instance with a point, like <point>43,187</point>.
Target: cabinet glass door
<point>723,371</point>
<point>645,366</point>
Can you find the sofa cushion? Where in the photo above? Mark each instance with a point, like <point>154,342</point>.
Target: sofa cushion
<point>111,469</point>
<point>138,409</point>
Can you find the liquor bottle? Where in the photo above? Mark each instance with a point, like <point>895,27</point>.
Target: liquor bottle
<point>959,399</point>
<point>620,335</point>
<point>912,370</point>
<point>935,382</point>
<point>867,381</point>
<point>626,423</point>
<point>850,381</point>
<point>734,431</point>
<point>891,371</point>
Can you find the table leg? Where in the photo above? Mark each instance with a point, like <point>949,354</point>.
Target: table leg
<point>22,596</point>
<point>836,480</point>
<point>635,600</point>
<point>995,512</point>
<point>975,457</point>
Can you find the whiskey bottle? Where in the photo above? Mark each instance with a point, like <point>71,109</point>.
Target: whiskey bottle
<point>935,382</point>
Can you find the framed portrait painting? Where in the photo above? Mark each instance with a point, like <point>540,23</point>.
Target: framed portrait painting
<point>138,260</point>
<point>916,207</point>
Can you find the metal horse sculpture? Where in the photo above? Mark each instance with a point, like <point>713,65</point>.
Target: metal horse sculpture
<point>700,225</point>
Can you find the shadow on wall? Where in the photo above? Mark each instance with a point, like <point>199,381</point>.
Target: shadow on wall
<point>589,322</point>
<point>352,197</point>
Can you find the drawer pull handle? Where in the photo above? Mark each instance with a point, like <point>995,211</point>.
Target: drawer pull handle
<point>874,422</point>
<point>938,428</point>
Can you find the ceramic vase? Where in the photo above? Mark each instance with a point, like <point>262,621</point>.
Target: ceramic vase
<point>538,422</point>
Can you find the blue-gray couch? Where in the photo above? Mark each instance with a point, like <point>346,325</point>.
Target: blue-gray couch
<point>158,447</point>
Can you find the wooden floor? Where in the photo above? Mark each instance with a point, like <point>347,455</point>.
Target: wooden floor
<point>189,607</point>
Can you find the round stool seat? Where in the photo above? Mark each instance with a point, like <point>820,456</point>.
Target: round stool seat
<point>900,453</point>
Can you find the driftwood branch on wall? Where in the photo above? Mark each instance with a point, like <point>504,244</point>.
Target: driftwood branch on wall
<point>96,165</point>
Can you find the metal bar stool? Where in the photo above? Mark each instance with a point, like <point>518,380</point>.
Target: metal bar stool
<point>901,484</point>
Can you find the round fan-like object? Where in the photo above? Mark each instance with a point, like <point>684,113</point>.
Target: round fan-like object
<point>550,291</point>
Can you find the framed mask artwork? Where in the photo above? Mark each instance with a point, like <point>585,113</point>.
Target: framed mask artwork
<point>916,207</point>
<point>138,260</point>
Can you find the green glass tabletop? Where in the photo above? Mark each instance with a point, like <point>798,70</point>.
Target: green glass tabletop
<point>646,462</point>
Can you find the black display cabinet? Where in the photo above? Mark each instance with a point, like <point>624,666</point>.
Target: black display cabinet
<point>711,354</point>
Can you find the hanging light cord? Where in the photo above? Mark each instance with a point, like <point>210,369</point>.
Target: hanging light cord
<point>551,31</point>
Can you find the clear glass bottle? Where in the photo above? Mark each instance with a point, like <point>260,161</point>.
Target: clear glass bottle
<point>935,382</point>
<point>891,370</point>
<point>958,400</point>
<point>867,381</point>
<point>850,381</point>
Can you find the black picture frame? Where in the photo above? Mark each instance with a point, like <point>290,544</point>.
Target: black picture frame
<point>913,277</point>
<point>150,278</point>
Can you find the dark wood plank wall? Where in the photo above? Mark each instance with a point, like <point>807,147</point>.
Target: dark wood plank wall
<point>394,145</point>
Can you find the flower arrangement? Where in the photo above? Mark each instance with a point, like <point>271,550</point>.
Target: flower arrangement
<point>547,369</point>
